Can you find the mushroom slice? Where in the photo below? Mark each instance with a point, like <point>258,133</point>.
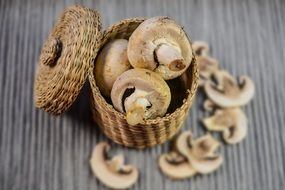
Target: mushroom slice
<point>207,66</point>
<point>227,92</point>
<point>231,121</point>
<point>111,62</point>
<point>161,45</point>
<point>142,94</point>
<point>112,173</point>
<point>175,166</point>
<point>200,153</point>
<point>200,48</point>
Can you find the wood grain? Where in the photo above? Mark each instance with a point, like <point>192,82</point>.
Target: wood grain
<point>39,151</point>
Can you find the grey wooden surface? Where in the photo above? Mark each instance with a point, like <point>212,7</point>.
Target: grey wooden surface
<point>39,151</point>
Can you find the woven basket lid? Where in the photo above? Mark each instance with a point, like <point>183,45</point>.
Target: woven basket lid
<point>65,58</point>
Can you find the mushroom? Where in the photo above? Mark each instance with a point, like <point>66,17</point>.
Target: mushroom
<point>229,93</point>
<point>112,173</point>
<point>141,94</point>
<point>200,153</point>
<point>161,45</point>
<point>207,66</point>
<point>175,166</point>
<point>200,48</point>
<point>112,61</point>
<point>231,121</point>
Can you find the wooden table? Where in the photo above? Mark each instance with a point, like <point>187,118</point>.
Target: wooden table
<point>40,151</point>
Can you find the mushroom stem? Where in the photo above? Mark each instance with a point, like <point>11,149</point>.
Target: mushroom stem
<point>169,56</point>
<point>136,105</point>
<point>136,110</point>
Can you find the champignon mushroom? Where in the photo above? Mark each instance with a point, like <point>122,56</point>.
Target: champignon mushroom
<point>231,121</point>
<point>200,153</point>
<point>200,48</point>
<point>112,61</point>
<point>175,166</point>
<point>207,66</point>
<point>228,93</point>
<point>161,45</point>
<point>112,173</point>
<point>142,94</point>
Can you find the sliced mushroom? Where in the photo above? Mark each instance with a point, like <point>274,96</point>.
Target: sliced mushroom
<point>161,45</point>
<point>200,48</point>
<point>231,121</point>
<point>227,92</point>
<point>112,173</point>
<point>207,66</point>
<point>175,166</point>
<point>112,61</point>
<point>200,153</point>
<point>142,94</point>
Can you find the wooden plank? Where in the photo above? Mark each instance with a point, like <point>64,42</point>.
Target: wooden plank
<point>39,151</point>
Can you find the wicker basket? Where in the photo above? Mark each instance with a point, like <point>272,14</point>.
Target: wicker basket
<point>112,122</point>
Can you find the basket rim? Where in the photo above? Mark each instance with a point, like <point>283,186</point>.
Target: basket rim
<point>97,96</point>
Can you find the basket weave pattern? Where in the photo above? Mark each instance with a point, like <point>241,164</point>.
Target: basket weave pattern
<point>114,124</point>
<point>60,77</point>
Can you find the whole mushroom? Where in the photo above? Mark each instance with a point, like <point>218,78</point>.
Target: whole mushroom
<point>141,94</point>
<point>161,45</point>
<point>112,61</point>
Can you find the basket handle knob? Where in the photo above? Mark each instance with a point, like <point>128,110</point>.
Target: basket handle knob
<point>51,51</point>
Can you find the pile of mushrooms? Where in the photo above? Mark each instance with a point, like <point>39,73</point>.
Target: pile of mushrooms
<point>225,94</point>
<point>133,72</point>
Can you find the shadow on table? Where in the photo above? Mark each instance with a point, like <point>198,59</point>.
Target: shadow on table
<point>80,111</point>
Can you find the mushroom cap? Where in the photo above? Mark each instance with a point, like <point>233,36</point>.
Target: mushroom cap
<point>228,93</point>
<point>175,166</point>
<point>111,62</point>
<point>231,121</point>
<point>149,85</point>
<point>149,35</point>
<point>200,153</point>
<point>111,172</point>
